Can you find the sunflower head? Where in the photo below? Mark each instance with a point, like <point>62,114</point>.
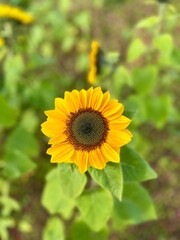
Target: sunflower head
<point>95,58</point>
<point>86,128</point>
<point>1,42</point>
<point>8,11</point>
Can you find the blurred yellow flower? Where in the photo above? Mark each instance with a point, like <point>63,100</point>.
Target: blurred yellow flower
<point>86,128</point>
<point>1,42</point>
<point>7,11</point>
<point>94,64</point>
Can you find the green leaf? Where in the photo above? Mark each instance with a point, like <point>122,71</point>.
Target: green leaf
<point>8,205</point>
<point>121,76</point>
<point>53,198</point>
<point>8,114</point>
<point>136,49</point>
<point>109,178</point>
<point>164,43</point>
<point>145,79</point>
<point>136,206</point>
<point>29,121</point>
<point>95,207</point>
<point>13,68</point>
<point>158,109</point>
<point>54,229</point>
<point>41,95</point>
<point>68,43</point>
<point>83,21</point>
<point>6,223</point>
<point>134,167</point>
<point>129,113</point>
<point>16,164</point>
<point>148,22</point>
<point>71,180</point>
<point>81,231</point>
<point>64,6</point>
<point>112,57</point>
<point>22,140</point>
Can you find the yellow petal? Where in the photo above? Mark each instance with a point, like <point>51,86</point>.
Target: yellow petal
<point>82,161</point>
<point>128,132</point>
<point>92,74</point>
<point>97,98</point>
<point>52,130</point>
<point>96,159</point>
<point>104,102</point>
<point>72,100</point>
<point>61,153</point>
<point>83,98</point>
<point>109,153</point>
<point>116,116</point>
<point>55,114</point>
<point>89,97</point>
<point>119,123</point>
<point>118,138</point>
<point>61,105</point>
<point>58,139</point>
<point>113,107</point>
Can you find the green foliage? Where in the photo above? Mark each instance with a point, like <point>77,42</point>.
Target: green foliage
<point>22,140</point>
<point>54,229</point>
<point>92,202</point>
<point>148,22</point>
<point>164,44</point>
<point>136,49</point>
<point>9,114</point>
<point>145,79</point>
<point>134,167</point>
<point>136,206</point>
<point>13,68</point>
<point>17,163</point>
<point>109,178</point>
<point>53,198</point>
<point>71,181</point>
<point>42,60</point>
<point>81,231</point>
<point>8,205</point>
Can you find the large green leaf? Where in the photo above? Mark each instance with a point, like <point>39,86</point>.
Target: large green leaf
<point>53,198</point>
<point>136,49</point>
<point>82,232</point>
<point>95,207</point>
<point>22,140</point>
<point>134,167</point>
<point>54,229</point>
<point>16,164</point>
<point>71,180</point>
<point>136,206</point>
<point>110,178</point>
<point>8,114</point>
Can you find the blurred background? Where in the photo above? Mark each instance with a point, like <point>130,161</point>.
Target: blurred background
<point>48,53</point>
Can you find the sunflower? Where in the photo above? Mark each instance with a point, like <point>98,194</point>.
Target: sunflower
<point>7,11</point>
<point>94,58</point>
<point>86,128</point>
<point>1,42</point>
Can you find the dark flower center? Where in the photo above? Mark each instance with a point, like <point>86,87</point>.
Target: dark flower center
<point>87,129</point>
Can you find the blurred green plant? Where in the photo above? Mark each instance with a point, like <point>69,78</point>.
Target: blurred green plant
<point>41,61</point>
